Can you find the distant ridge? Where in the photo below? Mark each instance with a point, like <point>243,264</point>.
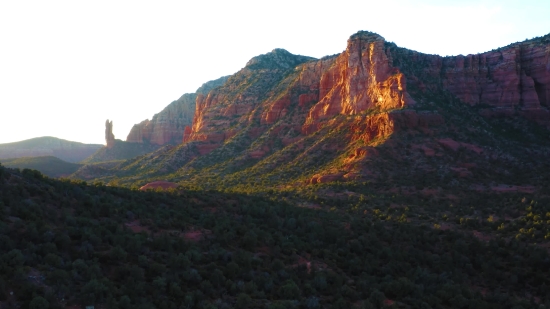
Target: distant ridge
<point>48,146</point>
<point>48,165</point>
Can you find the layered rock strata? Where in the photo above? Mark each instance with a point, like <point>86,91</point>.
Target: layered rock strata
<point>509,80</point>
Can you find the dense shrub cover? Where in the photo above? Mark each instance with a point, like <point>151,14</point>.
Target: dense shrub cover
<point>71,243</point>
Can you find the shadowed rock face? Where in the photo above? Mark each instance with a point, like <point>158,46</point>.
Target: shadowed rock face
<point>512,79</point>
<point>109,136</point>
<point>167,127</point>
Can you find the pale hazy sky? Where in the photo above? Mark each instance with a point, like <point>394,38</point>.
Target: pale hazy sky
<point>67,66</point>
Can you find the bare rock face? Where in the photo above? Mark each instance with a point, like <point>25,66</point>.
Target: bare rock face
<point>167,127</point>
<point>361,78</point>
<point>109,136</point>
<point>238,100</point>
<point>511,79</point>
<point>513,76</point>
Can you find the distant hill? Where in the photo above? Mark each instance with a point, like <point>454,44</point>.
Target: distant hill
<point>47,165</point>
<point>49,146</point>
<point>121,150</point>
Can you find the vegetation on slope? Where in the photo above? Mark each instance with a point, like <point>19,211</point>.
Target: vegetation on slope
<point>120,151</point>
<point>69,243</point>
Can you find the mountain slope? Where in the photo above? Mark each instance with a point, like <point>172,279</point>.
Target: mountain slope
<point>48,146</point>
<point>120,150</point>
<point>375,113</point>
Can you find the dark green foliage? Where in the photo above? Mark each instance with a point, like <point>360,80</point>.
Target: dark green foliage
<point>118,248</point>
<point>39,302</point>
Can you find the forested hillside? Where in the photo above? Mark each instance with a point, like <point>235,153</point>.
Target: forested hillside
<point>68,243</point>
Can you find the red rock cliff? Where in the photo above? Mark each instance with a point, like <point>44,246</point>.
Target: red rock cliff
<point>509,79</point>
<point>283,97</point>
<point>167,127</point>
<point>361,78</point>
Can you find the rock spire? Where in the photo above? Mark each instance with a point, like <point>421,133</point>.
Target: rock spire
<point>109,136</point>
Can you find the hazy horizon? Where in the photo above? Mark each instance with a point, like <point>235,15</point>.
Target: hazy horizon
<point>68,66</point>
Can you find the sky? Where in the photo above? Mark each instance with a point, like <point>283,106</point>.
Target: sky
<point>67,66</point>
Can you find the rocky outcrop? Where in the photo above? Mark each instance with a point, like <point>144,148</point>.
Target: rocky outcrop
<point>167,127</point>
<point>109,136</point>
<point>361,78</point>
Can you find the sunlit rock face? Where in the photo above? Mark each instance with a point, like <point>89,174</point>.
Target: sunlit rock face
<point>371,74</point>
<point>359,79</point>
<point>167,127</point>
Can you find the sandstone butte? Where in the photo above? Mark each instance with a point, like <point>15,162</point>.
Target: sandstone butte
<point>283,97</point>
<point>167,127</point>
